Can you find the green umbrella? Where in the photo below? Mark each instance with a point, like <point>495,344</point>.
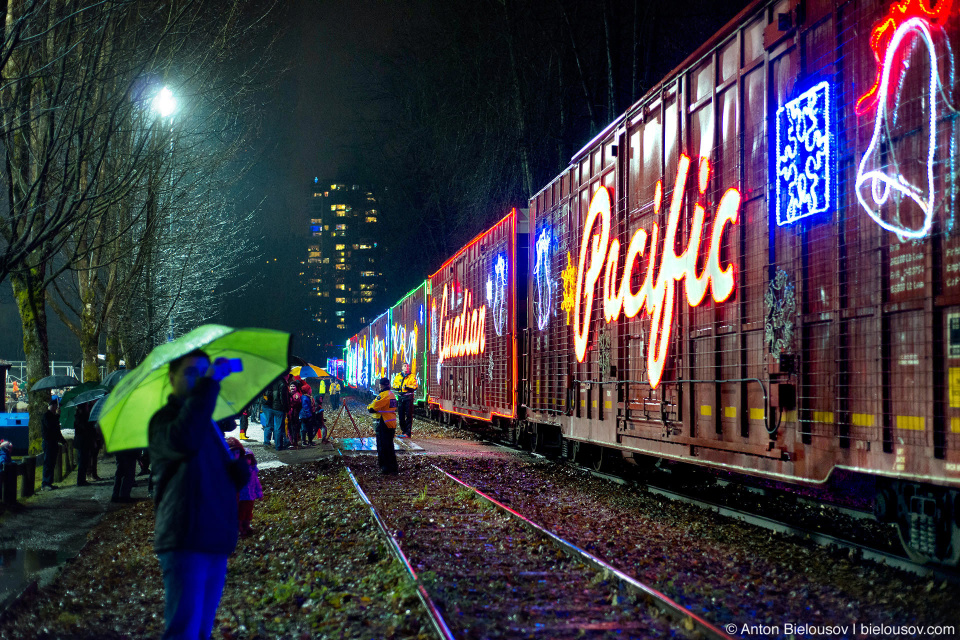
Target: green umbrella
<point>67,412</point>
<point>125,418</point>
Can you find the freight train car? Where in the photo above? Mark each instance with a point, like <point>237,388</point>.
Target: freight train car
<point>380,351</point>
<point>408,338</point>
<point>473,360</point>
<point>356,358</point>
<point>757,267</point>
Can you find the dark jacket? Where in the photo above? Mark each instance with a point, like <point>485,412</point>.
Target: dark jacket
<point>50,428</point>
<point>196,480</point>
<point>84,432</point>
<point>278,396</point>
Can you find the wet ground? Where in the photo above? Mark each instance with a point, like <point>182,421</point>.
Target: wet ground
<point>50,528</point>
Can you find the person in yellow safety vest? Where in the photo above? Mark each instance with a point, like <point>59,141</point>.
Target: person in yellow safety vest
<point>322,387</point>
<point>404,385</point>
<point>334,395</point>
<point>385,406</point>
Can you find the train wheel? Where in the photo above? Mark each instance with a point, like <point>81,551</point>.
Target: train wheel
<point>598,459</point>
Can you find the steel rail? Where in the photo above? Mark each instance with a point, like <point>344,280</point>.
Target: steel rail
<point>649,594</point>
<point>824,539</point>
<point>436,619</point>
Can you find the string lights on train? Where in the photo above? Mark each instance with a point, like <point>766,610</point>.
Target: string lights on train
<point>805,173</point>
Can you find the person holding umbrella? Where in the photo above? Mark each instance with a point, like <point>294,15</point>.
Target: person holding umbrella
<point>196,495</point>
<point>52,439</point>
<point>196,479</point>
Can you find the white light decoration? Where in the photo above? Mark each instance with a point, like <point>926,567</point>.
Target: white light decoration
<point>806,177</point>
<point>875,187</point>
<point>544,280</point>
<point>496,293</point>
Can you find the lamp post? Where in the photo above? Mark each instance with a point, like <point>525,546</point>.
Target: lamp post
<point>165,105</point>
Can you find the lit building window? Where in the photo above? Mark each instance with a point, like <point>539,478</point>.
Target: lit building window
<point>341,301</point>
<point>341,247</point>
<point>342,287</point>
<point>341,214</point>
<point>365,246</point>
<point>316,221</point>
<point>341,227</point>
<point>371,218</point>
<point>368,274</point>
<point>341,313</point>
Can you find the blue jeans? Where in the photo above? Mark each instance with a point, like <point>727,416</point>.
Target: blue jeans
<point>192,584</point>
<point>275,425</point>
<point>266,431</point>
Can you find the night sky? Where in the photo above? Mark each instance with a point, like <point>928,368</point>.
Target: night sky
<point>333,99</point>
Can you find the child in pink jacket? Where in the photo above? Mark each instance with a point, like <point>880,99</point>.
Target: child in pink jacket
<point>252,491</point>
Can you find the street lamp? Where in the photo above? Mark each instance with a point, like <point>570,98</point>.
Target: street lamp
<point>165,104</point>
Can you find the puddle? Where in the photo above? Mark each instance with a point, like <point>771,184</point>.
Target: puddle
<point>19,566</point>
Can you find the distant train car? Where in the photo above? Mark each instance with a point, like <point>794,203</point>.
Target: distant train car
<point>757,267</point>
<point>408,338</point>
<point>356,360</point>
<point>380,351</point>
<point>472,362</point>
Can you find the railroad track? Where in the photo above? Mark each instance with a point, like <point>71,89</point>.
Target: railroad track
<point>483,570</point>
<point>898,561</point>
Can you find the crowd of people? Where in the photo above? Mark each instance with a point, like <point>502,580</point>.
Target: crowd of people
<point>292,412</point>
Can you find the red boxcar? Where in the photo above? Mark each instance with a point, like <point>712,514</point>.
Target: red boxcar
<point>472,362</point>
<point>757,267</point>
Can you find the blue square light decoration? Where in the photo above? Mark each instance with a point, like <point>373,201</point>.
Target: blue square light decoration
<point>806,177</point>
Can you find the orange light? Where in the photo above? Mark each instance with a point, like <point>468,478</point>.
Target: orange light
<point>656,294</point>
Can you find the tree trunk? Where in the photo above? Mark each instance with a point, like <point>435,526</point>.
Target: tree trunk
<point>112,339</point>
<point>89,336</point>
<point>30,296</point>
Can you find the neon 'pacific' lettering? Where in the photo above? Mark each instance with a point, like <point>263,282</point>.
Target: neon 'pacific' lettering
<point>599,256</point>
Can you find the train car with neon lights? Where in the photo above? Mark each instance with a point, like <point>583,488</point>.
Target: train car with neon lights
<point>356,359</point>
<point>380,351</point>
<point>408,338</point>
<point>756,268</point>
<point>475,324</point>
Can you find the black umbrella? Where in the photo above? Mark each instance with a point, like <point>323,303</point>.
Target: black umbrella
<point>90,395</point>
<point>54,382</point>
<point>97,408</point>
<point>111,380</point>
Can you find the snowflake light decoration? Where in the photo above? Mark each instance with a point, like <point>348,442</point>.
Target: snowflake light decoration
<point>805,177</point>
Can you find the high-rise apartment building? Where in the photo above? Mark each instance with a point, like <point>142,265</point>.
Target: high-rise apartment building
<point>342,269</point>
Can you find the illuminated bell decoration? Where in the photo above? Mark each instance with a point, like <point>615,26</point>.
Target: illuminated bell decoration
<point>898,191</point>
<point>805,176</point>
<point>544,280</point>
<point>600,256</point>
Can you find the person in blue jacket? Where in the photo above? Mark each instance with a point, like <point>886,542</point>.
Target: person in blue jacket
<point>196,481</point>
